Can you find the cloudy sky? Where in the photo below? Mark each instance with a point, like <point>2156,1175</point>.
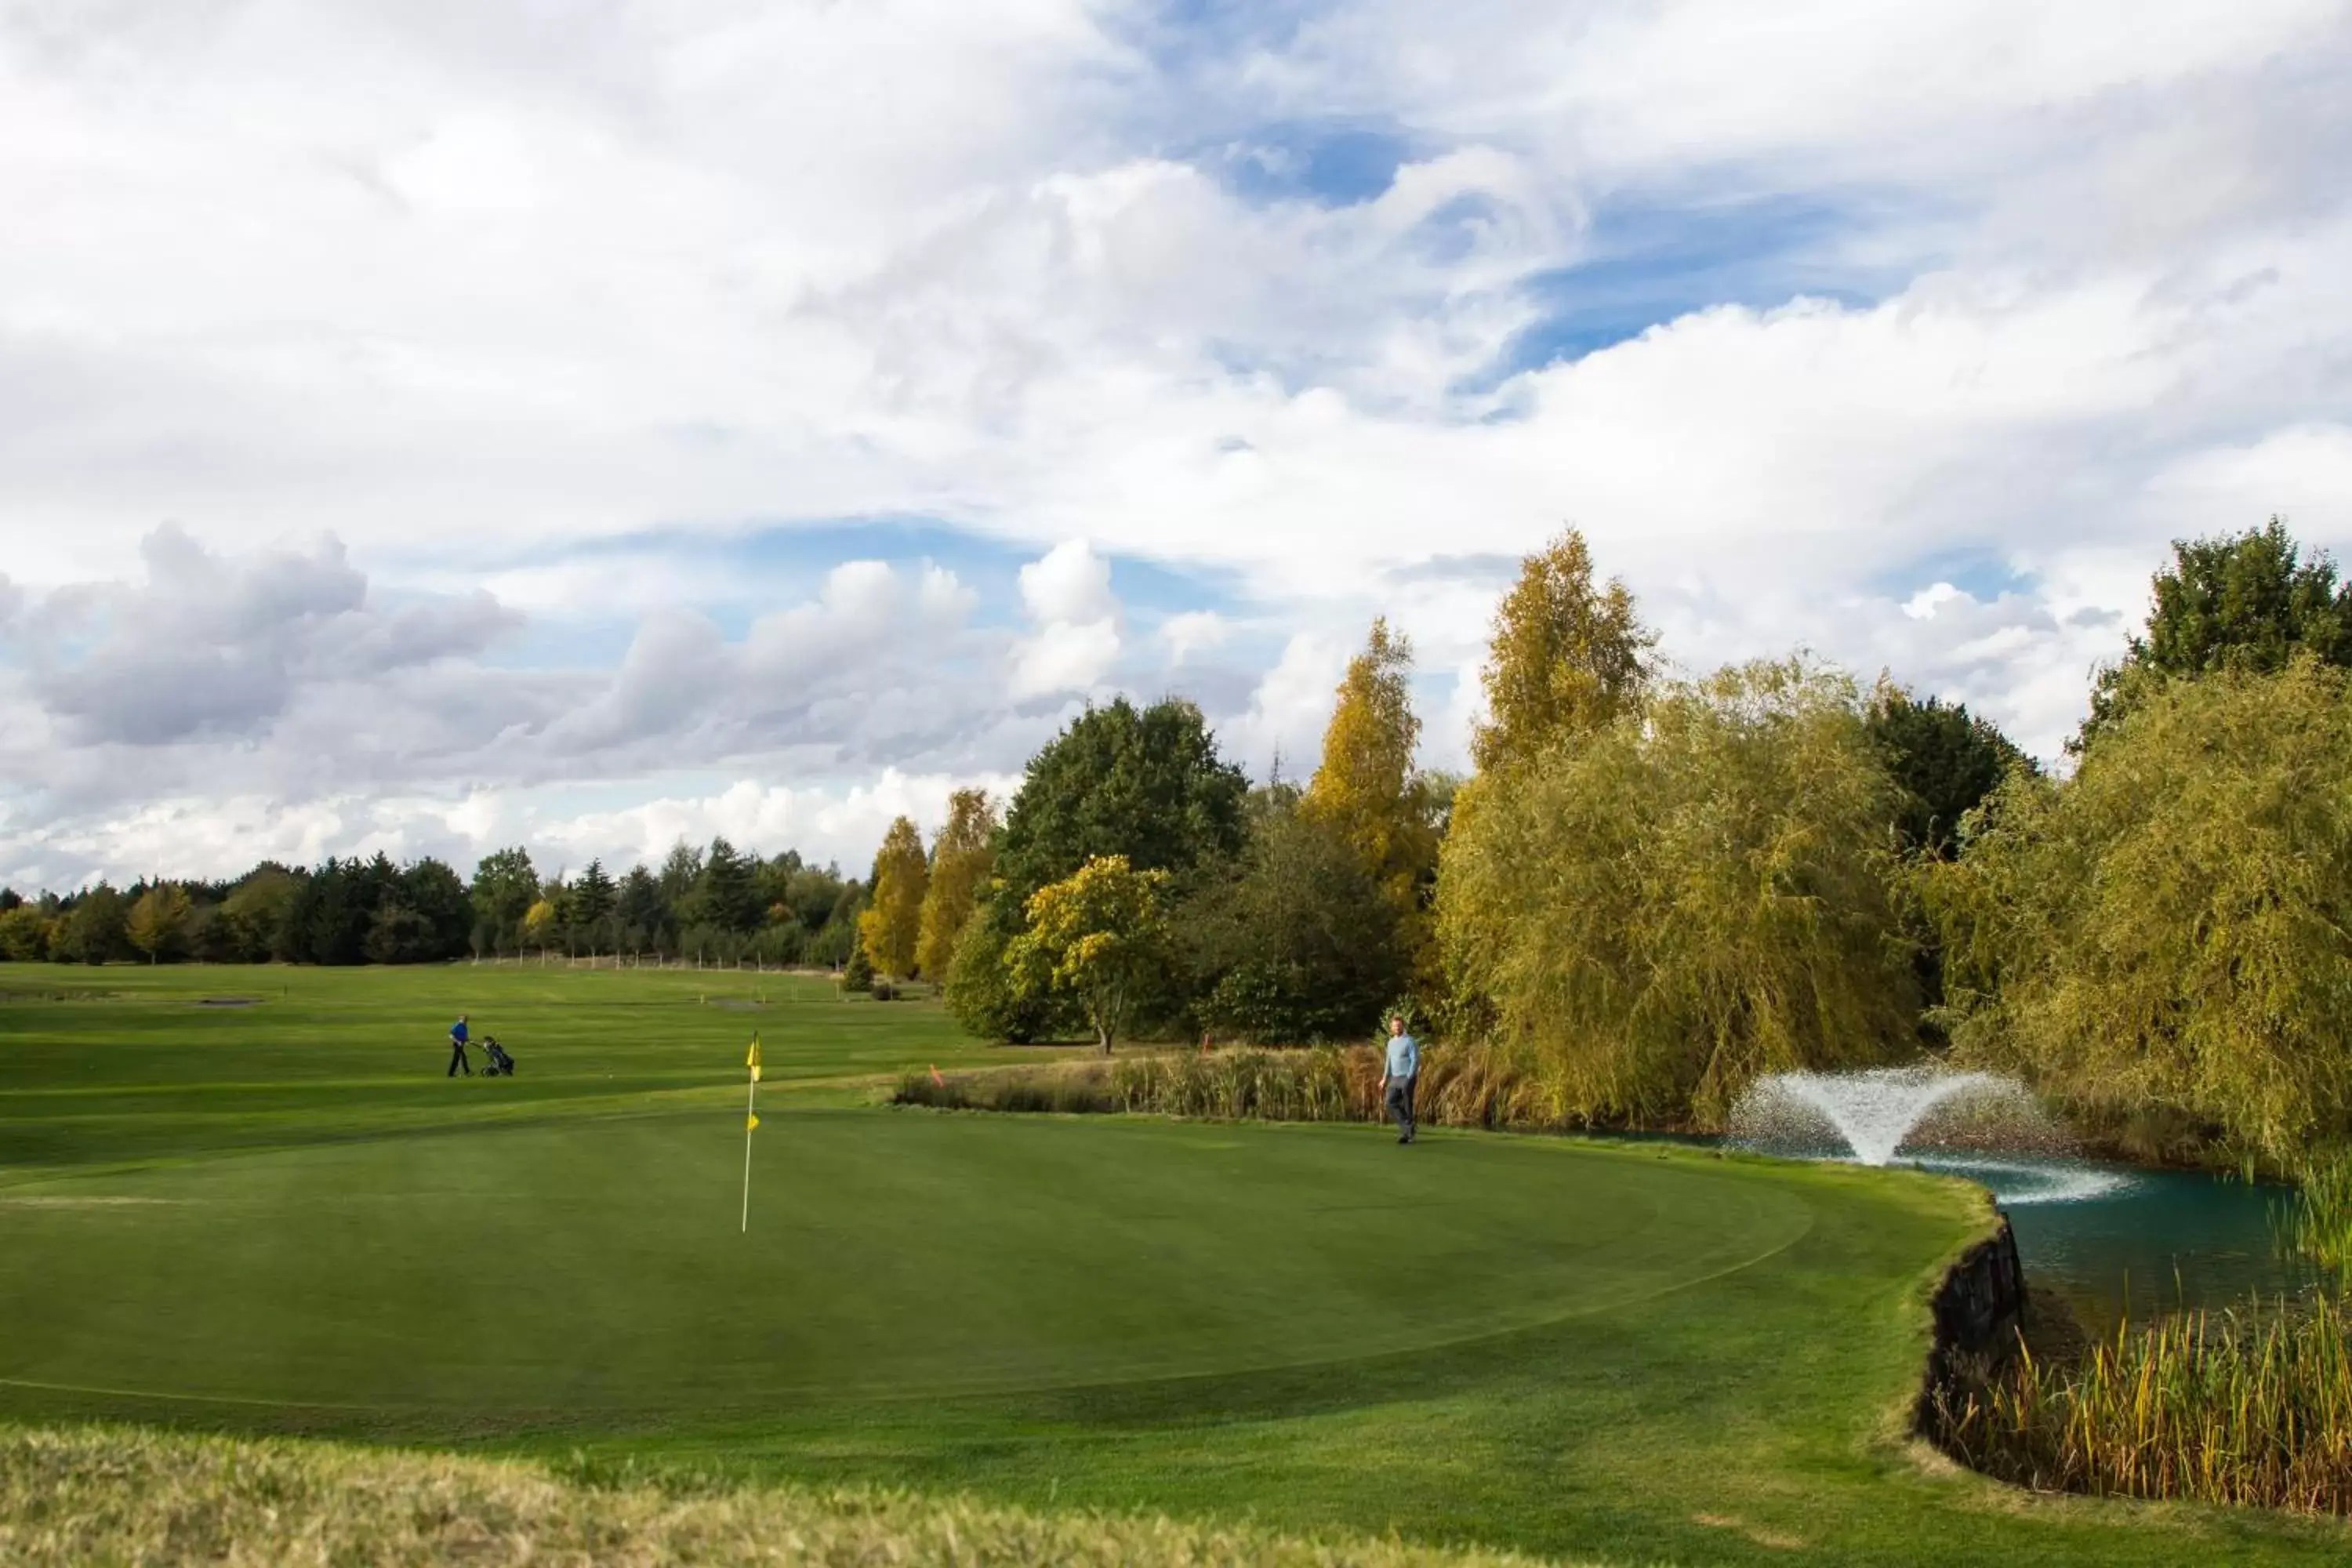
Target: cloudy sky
<point>426,425</point>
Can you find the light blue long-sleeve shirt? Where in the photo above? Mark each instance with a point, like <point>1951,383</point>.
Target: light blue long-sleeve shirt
<point>1405,1056</point>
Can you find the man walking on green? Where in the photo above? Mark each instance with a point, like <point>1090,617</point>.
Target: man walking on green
<point>1396,1073</point>
<point>457,1050</point>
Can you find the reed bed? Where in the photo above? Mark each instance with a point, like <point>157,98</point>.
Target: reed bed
<point>1071,1088</point>
<point>1460,1086</point>
<point>2239,1407</point>
<point>2321,1225</point>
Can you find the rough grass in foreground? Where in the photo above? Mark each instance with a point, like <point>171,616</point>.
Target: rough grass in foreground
<point>85,1495</point>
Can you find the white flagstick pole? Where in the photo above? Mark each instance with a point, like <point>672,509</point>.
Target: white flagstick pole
<point>751,1096</point>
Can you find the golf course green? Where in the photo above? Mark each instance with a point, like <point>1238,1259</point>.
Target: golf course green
<point>251,1201</point>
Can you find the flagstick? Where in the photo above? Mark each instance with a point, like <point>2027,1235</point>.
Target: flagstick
<point>750,1094</point>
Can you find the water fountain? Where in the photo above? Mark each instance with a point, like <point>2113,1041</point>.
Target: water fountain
<point>1977,1124</point>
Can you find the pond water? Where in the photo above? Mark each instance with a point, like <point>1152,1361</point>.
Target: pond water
<point>2112,1237</point>
<point>2108,1237</point>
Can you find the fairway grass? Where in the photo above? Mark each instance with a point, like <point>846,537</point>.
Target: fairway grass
<point>281,1219</point>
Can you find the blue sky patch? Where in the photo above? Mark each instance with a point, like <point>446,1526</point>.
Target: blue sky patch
<point>1329,165</point>
<point>1652,260</point>
<point>1983,574</point>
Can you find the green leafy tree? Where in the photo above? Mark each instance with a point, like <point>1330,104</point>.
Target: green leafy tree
<point>1945,759</point>
<point>430,889</point>
<point>961,859</point>
<point>95,929</point>
<point>889,929</point>
<point>1298,944</point>
<point>980,992</point>
<point>2167,927</point>
<point>257,915</point>
<point>2250,601</point>
<point>506,885</point>
<point>157,924</point>
<point>1101,936</point>
<point>1698,893</point>
<point>397,934</point>
<point>1145,785</point>
<point>1566,656</point>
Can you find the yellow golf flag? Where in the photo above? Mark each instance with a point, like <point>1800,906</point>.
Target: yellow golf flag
<point>751,1121</point>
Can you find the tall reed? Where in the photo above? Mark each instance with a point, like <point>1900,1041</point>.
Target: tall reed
<point>2243,1406</point>
<point>2321,1225</point>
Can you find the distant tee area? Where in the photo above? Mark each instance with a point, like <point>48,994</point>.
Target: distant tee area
<point>285,1217</point>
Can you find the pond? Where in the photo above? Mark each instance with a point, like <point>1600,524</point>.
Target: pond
<point>2111,1236</point>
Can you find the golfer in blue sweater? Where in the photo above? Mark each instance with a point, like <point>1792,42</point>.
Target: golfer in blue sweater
<point>457,1061</point>
<point>1396,1073</point>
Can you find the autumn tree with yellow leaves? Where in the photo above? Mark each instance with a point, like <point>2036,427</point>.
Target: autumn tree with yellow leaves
<point>1100,936</point>
<point>1566,657</point>
<point>1367,792</point>
<point>961,859</point>
<point>891,925</point>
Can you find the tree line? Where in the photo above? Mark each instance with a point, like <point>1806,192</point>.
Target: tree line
<point>717,904</point>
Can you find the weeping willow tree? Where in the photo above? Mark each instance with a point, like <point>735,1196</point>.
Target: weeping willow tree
<point>2172,927</point>
<point>1690,896</point>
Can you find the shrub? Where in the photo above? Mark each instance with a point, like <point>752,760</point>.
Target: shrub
<point>980,990</point>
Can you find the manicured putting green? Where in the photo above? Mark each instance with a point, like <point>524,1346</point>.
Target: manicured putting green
<point>597,1265</point>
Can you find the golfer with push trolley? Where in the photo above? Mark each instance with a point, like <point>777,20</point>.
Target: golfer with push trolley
<point>457,1061</point>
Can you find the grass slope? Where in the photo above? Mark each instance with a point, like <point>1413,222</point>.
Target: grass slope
<point>96,1495</point>
<point>283,1219</point>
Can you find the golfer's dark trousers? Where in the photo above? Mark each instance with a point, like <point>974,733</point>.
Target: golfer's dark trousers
<point>1400,1105</point>
<point>458,1060</point>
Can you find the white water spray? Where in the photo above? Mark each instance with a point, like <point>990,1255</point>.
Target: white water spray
<point>1876,1112</point>
<point>1975,1124</point>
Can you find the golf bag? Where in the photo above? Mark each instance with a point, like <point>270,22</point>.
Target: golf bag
<point>501,1063</point>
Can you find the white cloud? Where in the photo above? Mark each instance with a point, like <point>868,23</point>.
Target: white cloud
<point>1289,709</point>
<point>1188,633</point>
<point>533,320</point>
<point>1069,582</point>
<point>1067,591</point>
